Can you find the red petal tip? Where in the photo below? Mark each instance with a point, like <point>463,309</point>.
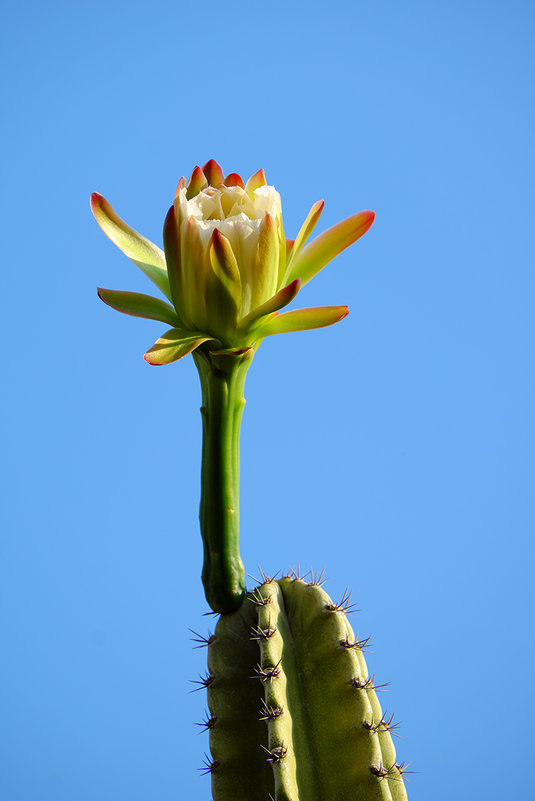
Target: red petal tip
<point>95,199</point>
<point>234,179</point>
<point>213,172</point>
<point>169,216</point>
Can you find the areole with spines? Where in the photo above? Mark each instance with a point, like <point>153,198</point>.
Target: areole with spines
<point>293,713</point>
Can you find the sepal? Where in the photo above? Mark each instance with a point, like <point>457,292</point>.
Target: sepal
<point>329,244</point>
<point>256,180</point>
<point>173,345</point>
<point>196,182</point>
<point>139,305</point>
<point>282,298</point>
<point>306,229</point>
<point>144,253</point>
<point>302,320</point>
<point>213,172</point>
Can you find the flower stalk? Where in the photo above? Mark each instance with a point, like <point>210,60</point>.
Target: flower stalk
<point>222,382</point>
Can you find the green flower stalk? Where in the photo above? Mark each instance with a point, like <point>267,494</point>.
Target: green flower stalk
<point>226,271</point>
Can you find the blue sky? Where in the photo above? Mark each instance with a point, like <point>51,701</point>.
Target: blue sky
<point>394,449</point>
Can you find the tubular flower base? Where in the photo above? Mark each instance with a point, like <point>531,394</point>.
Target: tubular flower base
<point>226,271</point>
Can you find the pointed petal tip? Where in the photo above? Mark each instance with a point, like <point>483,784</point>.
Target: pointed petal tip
<point>169,217</point>
<point>181,185</point>
<point>234,179</point>
<point>95,201</point>
<point>153,364</point>
<point>213,172</point>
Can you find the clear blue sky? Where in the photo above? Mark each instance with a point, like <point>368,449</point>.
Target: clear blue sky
<point>394,449</point>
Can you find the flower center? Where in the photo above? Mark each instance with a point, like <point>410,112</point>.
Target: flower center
<point>221,203</point>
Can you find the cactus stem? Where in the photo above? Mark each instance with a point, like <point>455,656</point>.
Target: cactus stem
<point>300,732</point>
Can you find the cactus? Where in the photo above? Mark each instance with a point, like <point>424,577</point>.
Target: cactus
<point>293,713</point>
<point>309,727</point>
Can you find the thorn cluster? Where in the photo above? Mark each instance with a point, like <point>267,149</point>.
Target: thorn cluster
<point>344,605</point>
<point>268,673</point>
<point>275,754</point>
<point>203,641</point>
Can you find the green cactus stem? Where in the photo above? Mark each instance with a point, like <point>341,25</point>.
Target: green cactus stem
<point>293,713</point>
<point>222,381</point>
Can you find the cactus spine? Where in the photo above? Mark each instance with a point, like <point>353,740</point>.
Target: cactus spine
<point>294,715</point>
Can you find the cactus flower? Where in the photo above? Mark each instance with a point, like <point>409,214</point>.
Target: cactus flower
<point>227,268</point>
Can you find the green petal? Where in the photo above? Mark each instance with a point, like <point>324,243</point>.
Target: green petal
<point>173,345</point>
<point>213,172</point>
<point>223,289</point>
<point>265,267</point>
<point>255,182</point>
<point>329,244</point>
<point>139,305</point>
<point>302,320</point>
<point>145,255</point>
<point>171,243</point>
<point>196,182</point>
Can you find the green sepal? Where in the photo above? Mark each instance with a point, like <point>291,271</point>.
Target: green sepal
<point>329,244</point>
<point>305,231</point>
<point>173,345</point>
<point>302,320</point>
<point>171,243</point>
<point>144,253</point>
<point>139,305</point>
<point>282,298</point>
<point>223,288</point>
